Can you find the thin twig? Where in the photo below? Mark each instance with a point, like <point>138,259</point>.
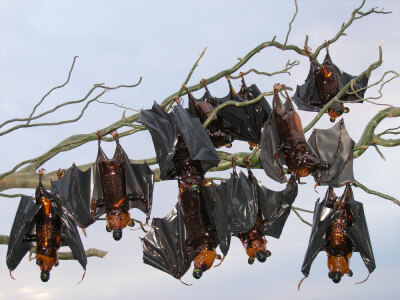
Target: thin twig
<point>379,152</point>
<point>289,65</point>
<point>384,196</point>
<point>301,218</point>
<point>290,24</point>
<point>54,88</point>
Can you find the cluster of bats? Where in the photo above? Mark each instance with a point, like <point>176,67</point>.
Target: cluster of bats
<point>207,215</point>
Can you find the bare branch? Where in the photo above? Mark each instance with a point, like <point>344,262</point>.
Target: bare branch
<point>369,138</point>
<point>289,65</point>
<point>394,200</point>
<point>355,15</point>
<point>54,88</point>
<point>92,252</point>
<point>105,89</point>
<point>290,24</point>
<point>379,152</point>
<point>300,217</point>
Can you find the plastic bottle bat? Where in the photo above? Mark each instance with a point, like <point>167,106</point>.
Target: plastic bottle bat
<point>324,82</point>
<point>42,221</point>
<point>300,160</point>
<point>190,177</point>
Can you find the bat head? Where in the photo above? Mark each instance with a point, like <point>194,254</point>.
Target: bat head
<point>336,110</point>
<point>116,221</point>
<point>303,163</point>
<point>45,263</point>
<point>338,266</point>
<point>203,261</point>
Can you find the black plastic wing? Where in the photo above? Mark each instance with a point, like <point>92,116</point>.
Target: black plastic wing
<point>164,133</point>
<point>275,207</point>
<point>196,138</point>
<point>70,236</point>
<point>73,193</point>
<point>334,146</point>
<point>270,143</point>
<point>23,224</point>
<point>165,246</point>
<point>323,217</point>
<point>359,235</point>
<point>306,96</point>
<point>244,123</point>
<point>236,210</point>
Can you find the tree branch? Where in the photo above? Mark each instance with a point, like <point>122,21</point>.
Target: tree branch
<point>367,190</point>
<point>289,65</point>
<point>290,24</point>
<point>91,252</point>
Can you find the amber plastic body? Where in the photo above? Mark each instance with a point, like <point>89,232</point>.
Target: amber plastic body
<point>300,161</point>
<point>190,177</point>
<point>339,247</point>
<point>116,203</point>
<point>48,235</point>
<point>254,240</point>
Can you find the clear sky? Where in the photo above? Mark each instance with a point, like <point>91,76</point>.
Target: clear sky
<point>119,41</point>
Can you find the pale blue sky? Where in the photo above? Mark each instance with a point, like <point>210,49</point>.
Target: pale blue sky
<point>119,41</point>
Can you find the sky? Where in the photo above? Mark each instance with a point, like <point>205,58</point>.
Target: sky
<point>118,42</point>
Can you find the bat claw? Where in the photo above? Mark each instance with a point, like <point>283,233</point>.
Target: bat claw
<point>11,275</point>
<point>83,276</point>
<point>301,281</point>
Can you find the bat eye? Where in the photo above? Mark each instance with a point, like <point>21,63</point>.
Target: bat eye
<point>45,276</point>
<point>261,256</point>
<point>250,260</point>
<point>340,111</point>
<point>117,234</point>
<point>195,190</point>
<point>108,228</point>
<point>197,273</point>
<point>335,276</point>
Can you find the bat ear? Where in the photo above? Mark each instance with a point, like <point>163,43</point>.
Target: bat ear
<point>332,119</point>
<point>346,109</point>
<point>349,273</point>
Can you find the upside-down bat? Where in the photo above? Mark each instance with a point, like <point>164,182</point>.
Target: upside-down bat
<point>111,186</point>
<point>328,154</point>
<point>324,82</point>
<point>248,210</point>
<point>42,220</point>
<point>339,228</point>
<point>184,235</point>
<point>241,123</point>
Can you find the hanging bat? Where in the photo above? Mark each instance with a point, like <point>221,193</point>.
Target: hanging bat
<point>241,123</point>
<point>250,211</point>
<point>339,228</point>
<point>328,154</point>
<point>183,236</point>
<point>324,81</point>
<point>111,186</point>
<point>42,220</point>
<point>167,128</point>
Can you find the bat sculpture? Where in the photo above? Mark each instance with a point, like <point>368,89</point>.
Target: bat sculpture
<point>184,236</point>
<point>111,186</point>
<point>42,220</point>
<point>324,82</point>
<point>241,123</point>
<point>328,154</point>
<point>339,228</point>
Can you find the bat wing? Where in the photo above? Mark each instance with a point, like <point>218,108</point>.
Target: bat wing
<point>306,96</point>
<point>275,207</point>
<point>70,236</point>
<point>23,224</point>
<point>244,123</point>
<point>164,246</point>
<point>236,210</point>
<point>164,133</point>
<point>359,236</point>
<point>72,192</point>
<point>196,138</point>
<point>270,143</point>
<point>334,146</point>
<point>323,217</point>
